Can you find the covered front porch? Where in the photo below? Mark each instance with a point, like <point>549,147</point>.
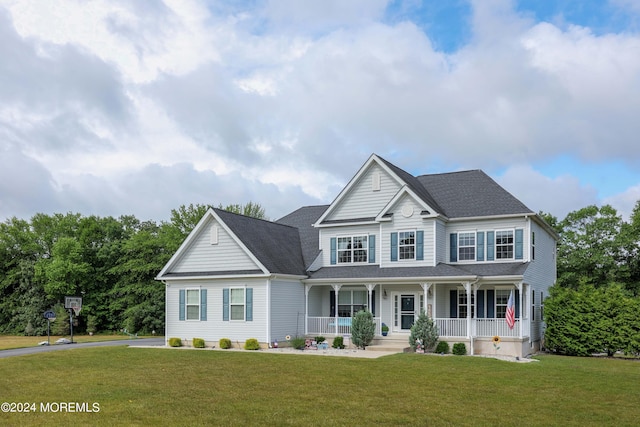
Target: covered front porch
<point>461,310</point>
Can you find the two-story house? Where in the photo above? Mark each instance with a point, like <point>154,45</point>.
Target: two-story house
<point>456,245</point>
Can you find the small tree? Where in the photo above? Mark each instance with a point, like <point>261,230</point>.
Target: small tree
<point>362,329</point>
<point>425,331</point>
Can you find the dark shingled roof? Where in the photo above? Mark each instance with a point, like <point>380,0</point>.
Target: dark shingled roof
<point>302,219</point>
<point>290,245</point>
<point>470,194</point>
<point>440,270</point>
<point>277,246</point>
<point>415,185</point>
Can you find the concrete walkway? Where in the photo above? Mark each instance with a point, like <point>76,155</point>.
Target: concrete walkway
<point>147,342</point>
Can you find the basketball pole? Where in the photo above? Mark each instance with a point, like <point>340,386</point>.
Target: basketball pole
<point>71,323</point>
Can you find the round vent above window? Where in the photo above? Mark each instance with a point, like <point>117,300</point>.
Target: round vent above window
<point>407,211</point>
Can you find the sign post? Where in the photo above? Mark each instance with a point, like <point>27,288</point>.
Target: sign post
<point>73,304</point>
<point>50,316</point>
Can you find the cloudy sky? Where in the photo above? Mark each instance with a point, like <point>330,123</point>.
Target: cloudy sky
<point>119,107</point>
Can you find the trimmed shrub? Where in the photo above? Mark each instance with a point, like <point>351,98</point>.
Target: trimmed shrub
<point>197,342</point>
<point>362,329</point>
<point>298,343</point>
<point>175,342</point>
<point>251,344</point>
<point>320,339</point>
<point>224,343</point>
<point>442,347</point>
<point>425,331</point>
<point>338,342</point>
<point>459,349</point>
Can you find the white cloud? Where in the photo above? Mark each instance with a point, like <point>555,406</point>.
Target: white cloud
<point>555,195</point>
<point>187,100</point>
<point>142,39</point>
<point>625,202</point>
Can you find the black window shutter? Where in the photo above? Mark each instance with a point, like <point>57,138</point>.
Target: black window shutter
<point>453,303</point>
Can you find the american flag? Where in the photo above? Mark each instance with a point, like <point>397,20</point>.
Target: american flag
<point>510,315</point>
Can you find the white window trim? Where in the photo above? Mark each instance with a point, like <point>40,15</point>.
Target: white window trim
<point>461,293</point>
<point>475,245</point>
<point>244,304</point>
<point>415,236</point>
<point>352,249</point>
<point>513,245</point>
<point>351,304</point>
<point>501,305</point>
<point>187,305</point>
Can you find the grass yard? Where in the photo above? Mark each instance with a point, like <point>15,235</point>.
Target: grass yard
<point>135,386</point>
<point>12,341</point>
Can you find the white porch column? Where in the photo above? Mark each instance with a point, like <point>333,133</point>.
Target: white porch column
<point>307,288</point>
<point>370,287</point>
<point>425,289</point>
<point>519,287</point>
<point>336,289</point>
<point>467,288</point>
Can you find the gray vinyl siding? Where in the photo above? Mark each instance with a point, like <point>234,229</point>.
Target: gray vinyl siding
<point>441,241</point>
<point>318,301</point>
<point>287,309</point>
<point>541,274</point>
<point>214,327</point>
<point>201,255</point>
<point>361,201</point>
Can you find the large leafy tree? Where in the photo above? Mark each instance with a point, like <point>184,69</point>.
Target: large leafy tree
<point>590,247</point>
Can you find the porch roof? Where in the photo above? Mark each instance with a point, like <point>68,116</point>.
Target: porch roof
<point>440,271</point>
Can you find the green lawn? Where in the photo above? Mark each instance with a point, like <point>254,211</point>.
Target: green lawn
<point>12,341</point>
<point>187,387</point>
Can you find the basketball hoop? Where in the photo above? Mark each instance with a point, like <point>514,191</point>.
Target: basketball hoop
<point>73,303</point>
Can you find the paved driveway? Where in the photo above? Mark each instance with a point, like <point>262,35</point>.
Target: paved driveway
<point>58,347</point>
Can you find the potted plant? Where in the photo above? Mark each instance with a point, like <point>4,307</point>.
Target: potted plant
<point>385,330</point>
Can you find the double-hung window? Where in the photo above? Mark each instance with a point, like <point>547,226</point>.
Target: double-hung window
<point>407,245</point>
<point>467,246</point>
<point>237,303</point>
<point>193,304</point>
<point>351,302</point>
<point>463,308</point>
<point>502,299</point>
<point>353,249</point>
<point>504,244</point>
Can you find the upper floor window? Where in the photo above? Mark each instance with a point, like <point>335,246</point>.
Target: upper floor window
<point>466,246</point>
<point>504,244</point>
<point>533,245</point>
<point>407,245</point>
<point>352,249</point>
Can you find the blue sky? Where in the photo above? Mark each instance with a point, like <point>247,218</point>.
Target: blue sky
<point>118,107</point>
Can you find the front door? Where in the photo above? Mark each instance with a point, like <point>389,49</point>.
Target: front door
<point>404,311</point>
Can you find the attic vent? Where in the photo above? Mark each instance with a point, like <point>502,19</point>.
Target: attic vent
<point>214,235</point>
<point>375,181</point>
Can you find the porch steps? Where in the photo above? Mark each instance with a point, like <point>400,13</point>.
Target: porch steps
<point>394,344</point>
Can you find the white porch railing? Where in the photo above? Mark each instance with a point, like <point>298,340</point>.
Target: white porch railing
<point>480,328</point>
<point>328,325</point>
<point>493,327</point>
<point>452,327</point>
<point>446,327</point>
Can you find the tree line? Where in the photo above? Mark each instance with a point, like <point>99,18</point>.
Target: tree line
<point>110,262</point>
<point>595,305</point>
